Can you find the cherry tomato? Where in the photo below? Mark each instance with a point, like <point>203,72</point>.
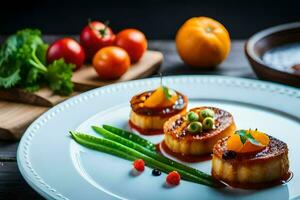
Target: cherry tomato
<point>68,49</point>
<point>139,165</point>
<point>111,62</point>
<point>95,36</point>
<point>133,41</point>
<point>173,178</point>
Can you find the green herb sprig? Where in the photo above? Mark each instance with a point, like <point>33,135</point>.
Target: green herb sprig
<point>23,64</point>
<point>167,92</point>
<point>246,135</point>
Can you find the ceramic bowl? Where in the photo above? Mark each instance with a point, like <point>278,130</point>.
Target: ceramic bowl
<point>268,39</point>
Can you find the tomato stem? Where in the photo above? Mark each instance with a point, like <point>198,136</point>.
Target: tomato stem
<point>104,30</point>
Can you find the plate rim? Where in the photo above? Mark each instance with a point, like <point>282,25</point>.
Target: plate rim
<point>49,192</point>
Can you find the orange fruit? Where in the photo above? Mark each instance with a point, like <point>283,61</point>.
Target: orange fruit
<point>202,42</point>
<point>158,99</point>
<point>262,138</point>
<point>234,143</point>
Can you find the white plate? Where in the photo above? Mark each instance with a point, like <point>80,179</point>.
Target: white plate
<point>58,168</point>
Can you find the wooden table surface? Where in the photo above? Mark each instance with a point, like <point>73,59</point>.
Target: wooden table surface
<point>12,184</point>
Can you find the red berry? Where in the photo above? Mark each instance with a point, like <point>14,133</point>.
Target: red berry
<point>139,165</point>
<point>173,178</point>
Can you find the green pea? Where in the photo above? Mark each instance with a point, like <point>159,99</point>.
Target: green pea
<point>195,127</point>
<point>208,123</point>
<point>206,113</point>
<point>192,116</point>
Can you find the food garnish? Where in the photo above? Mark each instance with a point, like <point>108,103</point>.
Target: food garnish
<point>246,141</point>
<point>114,144</point>
<point>156,172</point>
<point>130,136</point>
<point>145,150</point>
<point>194,127</point>
<point>206,113</point>
<point>139,165</point>
<point>151,109</point>
<point>161,97</point>
<point>23,64</point>
<point>173,178</point>
<point>208,123</point>
<point>250,159</point>
<point>229,154</point>
<point>194,134</point>
<point>192,116</point>
<point>204,120</point>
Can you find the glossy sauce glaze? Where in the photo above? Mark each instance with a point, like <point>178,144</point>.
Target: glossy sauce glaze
<point>274,149</point>
<point>178,106</point>
<point>223,120</point>
<point>184,158</point>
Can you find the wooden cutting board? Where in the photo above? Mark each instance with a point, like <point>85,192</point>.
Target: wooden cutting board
<point>87,78</point>
<point>16,117</point>
<point>19,108</point>
<point>84,79</point>
<point>43,97</point>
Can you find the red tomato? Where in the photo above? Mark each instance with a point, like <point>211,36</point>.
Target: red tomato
<point>111,62</point>
<point>139,165</point>
<point>95,36</point>
<point>133,41</point>
<point>173,178</point>
<point>68,49</point>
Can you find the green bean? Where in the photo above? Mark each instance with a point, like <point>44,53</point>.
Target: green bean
<point>95,141</point>
<point>152,154</point>
<point>100,147</point>
<point>131,136</point>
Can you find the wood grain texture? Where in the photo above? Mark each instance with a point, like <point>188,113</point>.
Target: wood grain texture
<point>87,78</point>
<point>42,97</point>
<point>15,118</point>
<point>84,79</point>
<point>13,186</point>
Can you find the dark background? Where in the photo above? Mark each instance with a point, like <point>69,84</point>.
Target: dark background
<point>158,19</point>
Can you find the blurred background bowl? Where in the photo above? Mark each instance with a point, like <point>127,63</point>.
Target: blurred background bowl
<point>268,39</point>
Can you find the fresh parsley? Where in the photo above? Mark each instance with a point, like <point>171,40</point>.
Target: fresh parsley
<point>246,135</point>
<point>23,64</point>
<point>59,77</point>
<point>167,92</point>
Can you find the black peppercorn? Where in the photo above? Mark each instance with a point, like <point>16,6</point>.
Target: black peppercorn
<point>156,172</point>
<point>229,155</point>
